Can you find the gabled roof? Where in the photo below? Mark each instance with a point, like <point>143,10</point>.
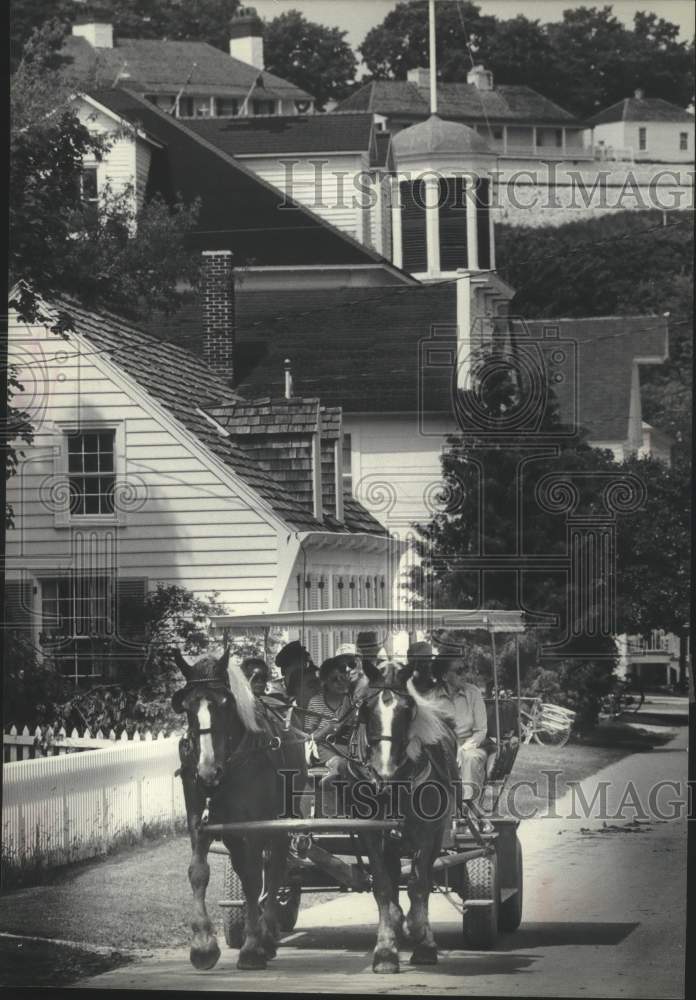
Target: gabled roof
<point>505,103</point>
<point>154,66</point>
<point>239,211</point>
<point>347,132</point>
<point>645,109</point>
<point>189,391</point>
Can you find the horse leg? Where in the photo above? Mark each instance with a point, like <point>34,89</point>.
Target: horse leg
<point>204,947</point>
<point>419,930</point>
<point>386,955</point>
<point>392,861</point>
<point>275,866</point>
<point>247,862</point>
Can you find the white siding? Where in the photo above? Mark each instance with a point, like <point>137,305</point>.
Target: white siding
<point>662,140</point>
<point>326,184</point>
<point>192,524</point>
<point>118,167</point>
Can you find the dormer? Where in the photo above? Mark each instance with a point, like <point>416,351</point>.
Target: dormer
<point>442,220</point>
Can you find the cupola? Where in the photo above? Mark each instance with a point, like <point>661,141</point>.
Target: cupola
<point>442,217</point>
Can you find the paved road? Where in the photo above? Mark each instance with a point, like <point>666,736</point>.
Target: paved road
<point>603,916</point>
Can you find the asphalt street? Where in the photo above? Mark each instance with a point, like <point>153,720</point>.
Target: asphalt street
<point>604,913</point>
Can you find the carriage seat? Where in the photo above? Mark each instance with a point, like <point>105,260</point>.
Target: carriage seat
<point>501,758</point>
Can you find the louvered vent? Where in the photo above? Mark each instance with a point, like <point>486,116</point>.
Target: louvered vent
<point>452,211</point>
<point>483,230</point>
<point>413,238</point>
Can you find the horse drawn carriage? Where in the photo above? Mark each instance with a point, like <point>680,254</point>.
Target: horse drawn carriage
<point>295,848</point>
<point>475,860</point>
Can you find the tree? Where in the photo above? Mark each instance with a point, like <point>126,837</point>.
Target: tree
<point>585,62</point>
<point>626,263</point>
<point>400,43</point>
<point>195,20</point>
<point>314,57</point>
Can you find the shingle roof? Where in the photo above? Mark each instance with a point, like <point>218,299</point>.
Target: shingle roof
<point>164,67</point>
<point>329,133</point>
<point>606,350</point>
<point>239,211</point>
<point>369,350</point>
<point>357,348</point>
<point>464,101</point>
<point>264,415</point>
<point>183,384</point>
<point>433,136</point>
<point>646,109</point>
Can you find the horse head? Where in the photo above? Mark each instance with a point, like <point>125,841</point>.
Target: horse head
<point>219,706</point>
<point>398,721</point>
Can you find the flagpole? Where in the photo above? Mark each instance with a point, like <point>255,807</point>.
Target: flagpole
<point>433,58</point>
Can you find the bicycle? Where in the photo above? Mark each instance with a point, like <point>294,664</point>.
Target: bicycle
<point>546,724</point>
<point>622,700</point>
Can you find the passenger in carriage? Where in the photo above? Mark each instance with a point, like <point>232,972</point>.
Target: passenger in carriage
<point>463,705</point>
<point>330,713</point>
<point>257,673</point>
<point>299,673</point>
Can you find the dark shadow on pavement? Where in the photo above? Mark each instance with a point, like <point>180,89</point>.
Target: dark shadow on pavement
<point>554,935</point>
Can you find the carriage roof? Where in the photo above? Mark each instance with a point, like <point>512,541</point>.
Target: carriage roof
<point>396,619</point>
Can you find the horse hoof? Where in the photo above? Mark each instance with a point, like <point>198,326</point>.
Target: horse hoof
<point>205,958</point>
<point>254,958</point>
<point>269,947</point>
<point>424,955</point>
<point>385,962</point>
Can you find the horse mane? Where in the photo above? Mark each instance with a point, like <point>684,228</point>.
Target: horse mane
<point>243,696</point>
<point>428,725</point>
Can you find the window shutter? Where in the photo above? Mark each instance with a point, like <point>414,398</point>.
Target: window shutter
<point>483,229</point>
<point>313,635</point>
<point>19,604</point>
<point>130,593</point>
<point>413,232</point>
<point>452,212</point>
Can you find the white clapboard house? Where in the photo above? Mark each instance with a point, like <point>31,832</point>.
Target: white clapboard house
<point>146,467</point>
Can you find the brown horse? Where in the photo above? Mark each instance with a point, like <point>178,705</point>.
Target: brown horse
<point>408,741</point>
<point>231,757</point>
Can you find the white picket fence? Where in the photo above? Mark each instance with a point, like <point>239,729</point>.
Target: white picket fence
<point>47,742</point>
<point>73,806</point>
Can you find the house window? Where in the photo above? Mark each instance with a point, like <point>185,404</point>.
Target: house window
<point>91,472</point>
<point>264,107</point>
<point>226,107</point>
<point>683,141</point>
<point>642,138</point>
<point>89,193</point>
<point>185,107</point>
<point>497,132</point>
<point>347,468</point>
<point>77,623</point>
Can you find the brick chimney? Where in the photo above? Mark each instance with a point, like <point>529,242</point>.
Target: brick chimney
<point>99,34</point>
<point>246,37</point>
<point>217,289</point>
<point>481,78</point>
<point>420,76</point>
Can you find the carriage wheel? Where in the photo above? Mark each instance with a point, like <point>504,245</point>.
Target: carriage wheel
<point>233,917</point>
<point>510,913</point>
<point>480,923</point>
<point>289,900</point>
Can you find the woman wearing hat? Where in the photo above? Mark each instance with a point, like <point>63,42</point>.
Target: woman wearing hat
<point>329,713</point>
<point>463,705</point>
